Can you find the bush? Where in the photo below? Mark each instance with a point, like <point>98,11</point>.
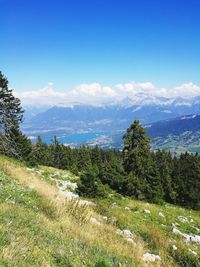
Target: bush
<point>102,263</point>
<point>90,185</point>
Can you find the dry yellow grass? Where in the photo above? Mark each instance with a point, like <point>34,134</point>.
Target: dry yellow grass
<point>103,235</point>
<point>31,180</point>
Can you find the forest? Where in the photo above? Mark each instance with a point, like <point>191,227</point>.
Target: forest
<point>136,171</point>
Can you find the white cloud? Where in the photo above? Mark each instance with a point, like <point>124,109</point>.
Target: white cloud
<point>96,93</point>
<point>46,95</point>
<point>95,89</point>
<point>134,87</point>
<point>187,90</point>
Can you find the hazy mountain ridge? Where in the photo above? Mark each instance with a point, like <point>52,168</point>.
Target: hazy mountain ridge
<point>176,135</point>
<point>174,126</point>
<point>109,121</point>
<point>124,110</point>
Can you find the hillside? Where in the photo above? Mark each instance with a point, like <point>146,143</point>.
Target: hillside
<point>174,126</point>
<point>44,223</point>
<point>177,135</point>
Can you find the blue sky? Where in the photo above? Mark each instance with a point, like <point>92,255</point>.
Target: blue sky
<point>70,42</point>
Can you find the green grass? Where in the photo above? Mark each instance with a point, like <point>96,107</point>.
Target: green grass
<point>35,231</point>
<point>39,228</point>
<point>156,231</point>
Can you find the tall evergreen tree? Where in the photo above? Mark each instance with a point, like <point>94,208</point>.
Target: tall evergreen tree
<point>136,147</point>
<point>138,162</point>
<point>12,141</point>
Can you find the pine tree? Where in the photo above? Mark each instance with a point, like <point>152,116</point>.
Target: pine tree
<point>21,144</point>
<point>164,163</point>
<point>57,154</point>
<point>12,141</point>
<point>84,158</point>
<point>138,160</point>
<point>40,153</point>
<point>136,147</point>
<point>186,177</point>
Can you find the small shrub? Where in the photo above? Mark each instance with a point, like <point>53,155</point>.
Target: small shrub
<point>90,185</point>
<point>186,259</point>
<point>102,263</point>
<point>62,261</point>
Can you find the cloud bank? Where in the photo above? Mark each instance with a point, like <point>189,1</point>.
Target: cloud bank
<point>95,93</point>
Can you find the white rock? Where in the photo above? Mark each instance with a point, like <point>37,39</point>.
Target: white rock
<point>105,218</point>
<point>147,211</point>
<point>53,175</point>
<point>130,240</point>
<point>193,238</point>
<point>183,219</point>
<point>176,231</point>
<point>127,233</point>
<point>86,203</point>
<point>193,252</point>
<point>29,169</point>
<point>69,195</point>
<point>188,237</point>
<point>161,214</point>
<point>119,232</point>
<point>150,257</point>
<point>175,224</point>
<point>94,221</point>
<point>174,247</point>
<point>72,186</point>
<point>114,205</point>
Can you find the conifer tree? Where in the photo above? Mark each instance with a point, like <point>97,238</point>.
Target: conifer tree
<point>186,177</point>
<point>57,153</point>
<point>139,162</point>
<point>136,148</point>
<point>40,153</point>
<point>164,163</point>
<point>90,185</point>
<point>12,141</point>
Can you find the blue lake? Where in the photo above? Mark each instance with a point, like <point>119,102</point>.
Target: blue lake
<point>76,139</point>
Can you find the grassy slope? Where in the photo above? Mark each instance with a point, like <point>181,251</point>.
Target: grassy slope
<point>38,227</point>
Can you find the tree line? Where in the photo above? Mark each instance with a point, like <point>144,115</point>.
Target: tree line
<point>136,171</point>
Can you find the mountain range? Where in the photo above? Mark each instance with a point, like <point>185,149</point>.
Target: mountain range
<point>105,124</point>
